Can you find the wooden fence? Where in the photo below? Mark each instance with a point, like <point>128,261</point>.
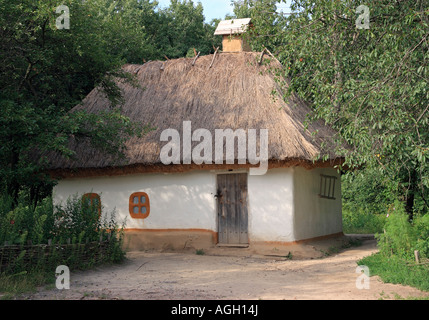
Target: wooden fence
<point>16,258</point>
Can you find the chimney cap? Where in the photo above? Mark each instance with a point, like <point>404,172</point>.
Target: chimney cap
<point>234,26</point>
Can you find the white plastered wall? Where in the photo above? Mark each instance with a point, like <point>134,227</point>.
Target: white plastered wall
<point>283,204</point>
<point>177,201</point>
<point>315,216</point>
<point>271,206</point>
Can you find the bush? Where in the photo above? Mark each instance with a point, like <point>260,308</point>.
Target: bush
<point>357,220</point>
<point>401,237</point>
<point>78,235</point>
<point>77,219</point>
<point>421,225</point>
<point>395,262</point>
<point>25,223</point>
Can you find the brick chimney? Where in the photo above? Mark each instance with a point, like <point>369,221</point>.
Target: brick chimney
<point>231,31</point>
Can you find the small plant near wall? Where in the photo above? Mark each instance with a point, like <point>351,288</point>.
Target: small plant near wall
<point>200,252</point>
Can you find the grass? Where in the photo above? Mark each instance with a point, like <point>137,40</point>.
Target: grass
<point>16,284</point>
<point>397,271</point>
<point>396,296</point>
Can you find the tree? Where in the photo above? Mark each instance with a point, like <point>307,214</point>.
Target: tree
<point>129,28</point>
<point>45,72</point>
<point>183,29</point>
<point>265,19</point>
<point>49,65</point>
<point>139,31</point>
<point>370,84</point>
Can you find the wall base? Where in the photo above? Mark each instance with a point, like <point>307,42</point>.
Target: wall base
<point>302,249</point>
<point>169,239</point>
<point>207,240</point>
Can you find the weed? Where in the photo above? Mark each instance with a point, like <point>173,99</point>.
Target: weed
<point>200,252</point>
<point>289,256</point>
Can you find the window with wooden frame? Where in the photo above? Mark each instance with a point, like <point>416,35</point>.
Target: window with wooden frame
<point>94,200</point>
<point>139,205</point>
<point>327,187</point>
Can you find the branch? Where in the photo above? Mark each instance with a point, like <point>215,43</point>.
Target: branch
<point>424,111</point>
<point>409,52</point>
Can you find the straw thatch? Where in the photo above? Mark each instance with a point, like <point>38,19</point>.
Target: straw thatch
<point>236,92</point>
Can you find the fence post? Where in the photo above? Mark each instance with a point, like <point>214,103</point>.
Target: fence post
<point>417,256</point>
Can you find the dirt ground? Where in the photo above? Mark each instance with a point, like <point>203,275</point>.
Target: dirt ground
<point>234,274</point>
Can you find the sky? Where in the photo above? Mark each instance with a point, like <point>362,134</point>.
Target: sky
<point>216,9</point>
<point>212,8</point>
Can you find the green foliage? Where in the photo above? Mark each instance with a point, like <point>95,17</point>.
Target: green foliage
<point>395,262</point>
<point>139,31</point>
<point>398,238</point>
<point>356,220</point>
<point>421,226</point>
<point>200,252</point>
<point>23,282</point>
<point>392,269</point>
<point>76,219</point>
<point>79,236</point>
<point>367,195</point>
<point>46,71</point>
<point>368,190</point>
<point>24,222</point>
<point>267,23</point>
<point>401,238</point>
<point>370,85</point>
<point>182,28</point>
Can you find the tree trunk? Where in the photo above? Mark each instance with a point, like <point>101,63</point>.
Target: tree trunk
<point>34,195</point>
<point>409,205</point>
<point>13,191</point>
<point>410,194</point>
<point>13,186</point>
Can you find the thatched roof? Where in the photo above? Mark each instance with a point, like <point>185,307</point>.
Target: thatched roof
<point>236,93</point>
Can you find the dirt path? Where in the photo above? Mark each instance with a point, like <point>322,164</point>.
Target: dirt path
<point>218,275</point>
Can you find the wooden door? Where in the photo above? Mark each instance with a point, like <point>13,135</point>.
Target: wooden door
<point>232,208</point>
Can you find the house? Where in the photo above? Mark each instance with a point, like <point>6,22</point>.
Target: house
<point>177,189</point>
